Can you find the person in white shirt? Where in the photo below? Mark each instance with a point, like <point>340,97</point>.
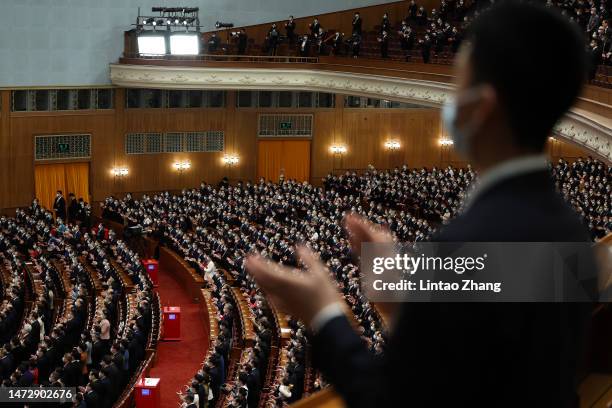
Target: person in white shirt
<point>211,268</point>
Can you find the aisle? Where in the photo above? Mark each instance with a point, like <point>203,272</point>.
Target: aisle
<point>178,361</point>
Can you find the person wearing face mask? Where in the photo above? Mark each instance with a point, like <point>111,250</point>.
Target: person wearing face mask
<point>59,205</point>
<point>595,55</point>
<point>494,354</point>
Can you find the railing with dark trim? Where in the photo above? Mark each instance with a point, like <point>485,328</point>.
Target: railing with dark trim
<point>222,57</point>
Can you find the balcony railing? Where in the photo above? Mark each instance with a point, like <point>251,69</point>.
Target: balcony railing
<point>220,57</point>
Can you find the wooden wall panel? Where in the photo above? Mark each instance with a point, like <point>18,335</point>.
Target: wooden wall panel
<point>557,148</point>
<point>5,138</point>
<point>363,131</point>
<point>23,127</point>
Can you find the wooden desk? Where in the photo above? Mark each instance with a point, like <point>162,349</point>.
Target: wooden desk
<point>187,277</point>
<point>246,318</point>
<point>280,320</point>
<point>209,315</point>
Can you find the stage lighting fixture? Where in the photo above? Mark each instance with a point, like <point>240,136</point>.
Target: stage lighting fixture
<point>446,142</point>
<point>184,44</point>
<point>151,45</point>
<point>219,24</point>
<point>150,20</point>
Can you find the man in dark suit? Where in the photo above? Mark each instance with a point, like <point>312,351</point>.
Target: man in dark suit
<point>290,30</point>
<point>59,205</point>
<point>73,207</point>
<point>471,354</point>
<point>357,24</point>
<point>384,44</point>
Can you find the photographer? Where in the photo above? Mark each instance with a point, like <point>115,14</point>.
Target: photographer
<point>337,41</point>
<point>406,39</point>
<point>384,45</point>
<point>355,44</point>
<point>290,30</point>
<point>242,38</point>
<point>304,46</point>
<point>426,45</point>
<point>357,23</point>
<point>320,39</point>
<point>272,40</point>
<point>213,43</point>
<point>314,27</point>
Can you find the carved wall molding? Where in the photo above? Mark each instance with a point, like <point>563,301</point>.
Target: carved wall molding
<point>578,126</point>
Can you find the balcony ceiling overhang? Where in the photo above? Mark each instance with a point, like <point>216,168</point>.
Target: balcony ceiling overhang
<point>589,130</point>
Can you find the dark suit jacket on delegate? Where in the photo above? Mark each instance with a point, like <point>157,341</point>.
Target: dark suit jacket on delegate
<point>471,354</point>
<point>59,205</point>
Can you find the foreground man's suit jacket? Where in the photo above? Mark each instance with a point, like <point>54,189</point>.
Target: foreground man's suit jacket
<point>473,354</point>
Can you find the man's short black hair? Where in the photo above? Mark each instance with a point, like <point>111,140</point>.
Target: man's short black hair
<point>535,59</point>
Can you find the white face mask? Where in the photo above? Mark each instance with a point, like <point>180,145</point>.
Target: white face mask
<point>460,137</point>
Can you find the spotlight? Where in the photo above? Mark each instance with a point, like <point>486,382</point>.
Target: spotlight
<point>338,149</point>
<point>219,24</point>
<point>151,43</point>
<point>392,145</point>
<point>446,142</point>
<point>184,44</point>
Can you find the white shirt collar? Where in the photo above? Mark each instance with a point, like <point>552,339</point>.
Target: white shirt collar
<point>505,170</point>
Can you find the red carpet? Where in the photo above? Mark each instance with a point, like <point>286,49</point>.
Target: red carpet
<point>178,361</point>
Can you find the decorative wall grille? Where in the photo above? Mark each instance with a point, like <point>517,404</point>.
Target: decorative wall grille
<point>55,147</point>
<point>195,142</point>
<point>140,143</point>
<point>154,143</point>
<point>215,141</point>
<point>175,142</point>
<point>282,125</point>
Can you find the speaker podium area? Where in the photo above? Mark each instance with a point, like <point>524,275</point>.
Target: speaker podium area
<point>152,268</point>
<point>172,323</point>
<point>147,393</point>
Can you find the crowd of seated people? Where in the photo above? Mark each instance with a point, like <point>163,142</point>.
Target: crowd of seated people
<point>74,334</point>
<point>587,185</point>
<point>225,224</point>
<point>213,227</point>
<point>289,381</point>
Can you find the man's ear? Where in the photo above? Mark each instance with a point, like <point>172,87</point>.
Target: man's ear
<point>487,103</point>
